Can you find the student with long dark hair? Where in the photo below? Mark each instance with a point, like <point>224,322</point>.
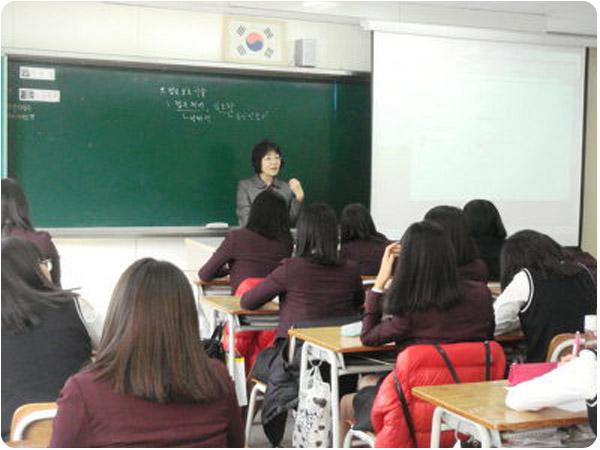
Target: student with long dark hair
<point>451,219</point>
<point>542,293</point>
<point>267,161</point>
<point>486,228</point>
<point>427,302</point>
<point>44,336</point>
<point>255,250</point>
<point>360,241</point>
<point>16,222</point>
<point>152,384</point>
<point>315,283</point>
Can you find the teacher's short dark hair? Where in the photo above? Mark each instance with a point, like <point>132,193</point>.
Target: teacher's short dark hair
<point>261,149</point>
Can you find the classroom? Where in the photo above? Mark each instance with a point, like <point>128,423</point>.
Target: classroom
<point>129,125</point>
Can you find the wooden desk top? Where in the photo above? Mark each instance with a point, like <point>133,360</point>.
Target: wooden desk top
<point>29,443</point>
<point>230,304</point>
<point>514,336</point>
<point>483,403</point>
<point>331,338</point>
<point>216,282</point>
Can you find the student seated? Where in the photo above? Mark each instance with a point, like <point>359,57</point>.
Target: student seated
<point>542,293</point>
<point>467,257</point>
<point>16,222</point>
<point>427,302</point>
<point>359,239</point>
<point>486,228</point>
<point>315,283</point>
<point>151,384</point>
<point>44,336</point>
<point>253,251</point>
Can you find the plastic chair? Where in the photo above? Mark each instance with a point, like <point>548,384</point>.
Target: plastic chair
<point>33,422</point>
<point>561,345</point>
<point>256,394</point>
<point>358,436</point>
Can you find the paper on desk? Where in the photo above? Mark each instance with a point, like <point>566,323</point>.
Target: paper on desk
<point>197,253</point>
<point>574,406</point>
<point>352,329</point>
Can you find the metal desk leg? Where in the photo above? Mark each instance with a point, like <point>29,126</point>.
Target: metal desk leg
<point>436,427</point>
<point>481,433</point>
<point>303,368</point>
<point>231,351</point>
<point>335,399</point>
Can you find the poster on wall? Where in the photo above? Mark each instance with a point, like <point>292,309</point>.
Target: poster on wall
<point>255,41</point>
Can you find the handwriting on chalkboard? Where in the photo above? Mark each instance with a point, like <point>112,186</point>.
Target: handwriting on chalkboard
<point>18,111</point>
<point>193,104</point>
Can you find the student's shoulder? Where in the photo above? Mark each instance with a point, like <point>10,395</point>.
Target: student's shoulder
<point>84,382</point>
<point>350,266</point>
<point>475,290</point>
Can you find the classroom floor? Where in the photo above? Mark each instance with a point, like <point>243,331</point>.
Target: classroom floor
<point>259,440</point>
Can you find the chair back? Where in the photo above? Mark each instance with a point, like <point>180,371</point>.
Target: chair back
<point>247,284</point>
<point>423,365</point>
<point>33,422</point>
<point>562,344</point>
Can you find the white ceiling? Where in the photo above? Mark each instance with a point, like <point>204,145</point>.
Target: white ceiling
<point>543,16</point>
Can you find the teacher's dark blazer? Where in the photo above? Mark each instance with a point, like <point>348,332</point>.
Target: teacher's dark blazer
<point>249,189</point>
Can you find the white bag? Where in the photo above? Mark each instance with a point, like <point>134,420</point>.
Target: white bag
<point>313,419</point>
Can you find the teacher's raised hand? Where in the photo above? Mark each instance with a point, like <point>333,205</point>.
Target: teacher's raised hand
<point>296,188</point>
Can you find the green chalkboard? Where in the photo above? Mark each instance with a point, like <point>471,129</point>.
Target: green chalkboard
<point>156,146</point>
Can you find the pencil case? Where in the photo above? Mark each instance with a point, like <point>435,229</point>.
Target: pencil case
<point>518,373</point>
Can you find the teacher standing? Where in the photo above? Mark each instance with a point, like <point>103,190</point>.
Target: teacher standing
<point>267,161</point>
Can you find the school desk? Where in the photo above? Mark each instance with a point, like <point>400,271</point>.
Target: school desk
<point>207,288</point>
<point>513,336</point>
<point>479,409</point>
<point>494,287</point>
<point>345,355</point>
<point>239,319</point>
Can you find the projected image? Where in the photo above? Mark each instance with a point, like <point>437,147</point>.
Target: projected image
<point>467,119</point>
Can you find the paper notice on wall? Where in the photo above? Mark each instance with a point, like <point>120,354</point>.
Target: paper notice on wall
<point>37,73</point>
<point>39,95</point>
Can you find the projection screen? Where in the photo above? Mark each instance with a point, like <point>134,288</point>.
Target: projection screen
<point>458,119</point>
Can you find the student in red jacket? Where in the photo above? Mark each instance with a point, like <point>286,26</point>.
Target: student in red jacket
<point>253,251</point>
<point>451,219</point>
<point>16,222</point>
<point>315,283</point>
<point>152,384</point>
<point>427,302</point>
<point>360,241</point>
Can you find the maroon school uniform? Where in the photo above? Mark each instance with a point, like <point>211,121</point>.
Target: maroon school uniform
<point>44,243</point>
<point>366,253</point>
<point>475,270</point>
<point>308,290</point>
<point>470,320</point>
<point>91,414</point>
<point>248,255</point>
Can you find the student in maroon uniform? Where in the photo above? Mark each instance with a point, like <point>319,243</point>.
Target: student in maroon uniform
<point>486,228</point>
<point>253,251</point>
<point>16,222</point>
<point>451,219</point>
<point>315,283</point>
<point>427,302</point>
<point>360,240</point>
<point>152,384</point>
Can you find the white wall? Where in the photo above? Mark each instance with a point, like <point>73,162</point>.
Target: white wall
<point>90,28</point>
